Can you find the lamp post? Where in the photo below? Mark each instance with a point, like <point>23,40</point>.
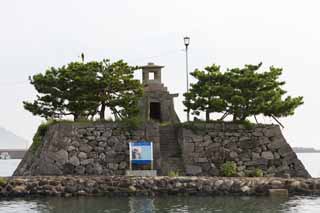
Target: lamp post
<point>186,43</point>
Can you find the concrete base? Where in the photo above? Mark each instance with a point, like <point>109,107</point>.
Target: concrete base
<point>144,173</point>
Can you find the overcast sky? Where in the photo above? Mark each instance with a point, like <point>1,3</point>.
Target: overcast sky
<point>37,34</point>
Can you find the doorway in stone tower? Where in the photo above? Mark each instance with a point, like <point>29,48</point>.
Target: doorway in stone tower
<point>155,112</point>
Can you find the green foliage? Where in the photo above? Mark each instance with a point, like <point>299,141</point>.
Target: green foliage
<point>258,173</point>
<point>130,122</point>
<point>37,138</point>
<point>173,174</point>
<point>246,123</point>
<point>84,90</point>
<point>3,181</point>
<point>168,123</point>
<point>229,169</point>
<point>240,92</point>
<point>255,173</point>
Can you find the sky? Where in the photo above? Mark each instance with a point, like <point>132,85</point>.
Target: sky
<point>38,34</point>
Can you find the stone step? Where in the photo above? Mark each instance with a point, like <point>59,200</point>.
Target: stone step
<point>171,159</point>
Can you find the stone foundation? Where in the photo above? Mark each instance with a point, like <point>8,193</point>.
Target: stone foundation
<point>206,146</point>
<point>154,186</point>
<point>87,149</point>
<point>194,149</point>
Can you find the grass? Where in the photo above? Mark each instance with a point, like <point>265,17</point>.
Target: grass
<point>126,124</point>
<point>3,181</point>
<point>173,174</point>
<point>196,126</point>
<point>37,138</point>
<point>255,173</point>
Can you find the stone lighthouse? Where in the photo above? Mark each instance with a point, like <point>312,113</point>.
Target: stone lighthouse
<point>156,103</point>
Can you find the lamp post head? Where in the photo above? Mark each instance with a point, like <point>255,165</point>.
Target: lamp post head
<point>186,41</point>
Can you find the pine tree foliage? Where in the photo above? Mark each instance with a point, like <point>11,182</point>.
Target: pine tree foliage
<point>240,92</point>
<point>86,89</point>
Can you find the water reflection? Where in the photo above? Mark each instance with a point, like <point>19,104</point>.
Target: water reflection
<point>168,204</point>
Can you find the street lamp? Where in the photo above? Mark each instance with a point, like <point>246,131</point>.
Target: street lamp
<point>186,43</point>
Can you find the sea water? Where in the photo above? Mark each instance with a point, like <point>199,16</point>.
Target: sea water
<point>170,204</point>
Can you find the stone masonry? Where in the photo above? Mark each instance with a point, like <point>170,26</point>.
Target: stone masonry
<point>87,149</point>
<point>196,150</point>
<point>206,146</point>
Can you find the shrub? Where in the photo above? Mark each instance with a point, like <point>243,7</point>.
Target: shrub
<point>229,169</point>
<point>173,174</point>
<point>42,129</point>
<point>3,181</point>
<point>131,122</point>
<point>258,173</point>
<point>246,123</point>
<point>255,173</point>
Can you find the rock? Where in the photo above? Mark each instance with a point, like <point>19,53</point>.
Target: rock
<point>276,155</point>
<point>80,170</point>
<point>276,184</point>
<point>102,156</point>
<point>201,160</point>
<point>102,144</point>
<point>132,189</point>
<point>233,155</point>
<point>82,155</point>
<point>295,185</point>
<point>19,189</point>
<point>74,161</point>
<point>112,141</point>
<point>255,156</point>
<point>193,170</point>
<point>113,166</point>
<point>86,161</point>
<point>85,148</point>
<point>267,155</point>
<point>218,183</point>
<point>245,189</point>
<point>123,165</point>
<point>71,148</point>
<point>257,162</point>
<point>178,185</point>
<point>188,148</point>
<point>61,156</point>
<point>97,169</point>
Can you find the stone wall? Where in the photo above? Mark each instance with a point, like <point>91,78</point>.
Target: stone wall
<point>205,147</point>
<point>87,149</point>
<point>66,186</point>
<point>198,149</point>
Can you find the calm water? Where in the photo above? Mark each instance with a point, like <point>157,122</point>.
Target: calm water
<point>165,204</point>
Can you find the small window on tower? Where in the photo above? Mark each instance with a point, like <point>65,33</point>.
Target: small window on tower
<point>151,75</point>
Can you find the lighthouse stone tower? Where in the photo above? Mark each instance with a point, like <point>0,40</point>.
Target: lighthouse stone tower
<point>156,103</point>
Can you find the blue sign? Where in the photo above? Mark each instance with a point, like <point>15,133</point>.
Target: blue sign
<point>141,152</point>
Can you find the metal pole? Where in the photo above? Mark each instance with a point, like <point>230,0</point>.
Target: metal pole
<point>187,74</point>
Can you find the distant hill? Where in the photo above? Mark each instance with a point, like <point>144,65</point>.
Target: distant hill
<point>305,150</point>
<point>9,140</point>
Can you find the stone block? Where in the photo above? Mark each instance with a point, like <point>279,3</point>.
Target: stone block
<point>86,161</point>
<point>74,161</point>
<point>188,148</point>
<point>267,155</point>
<point>85,148</point>
<point>193,170</point>
<point>82,155</point>
<point>61,156</point>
